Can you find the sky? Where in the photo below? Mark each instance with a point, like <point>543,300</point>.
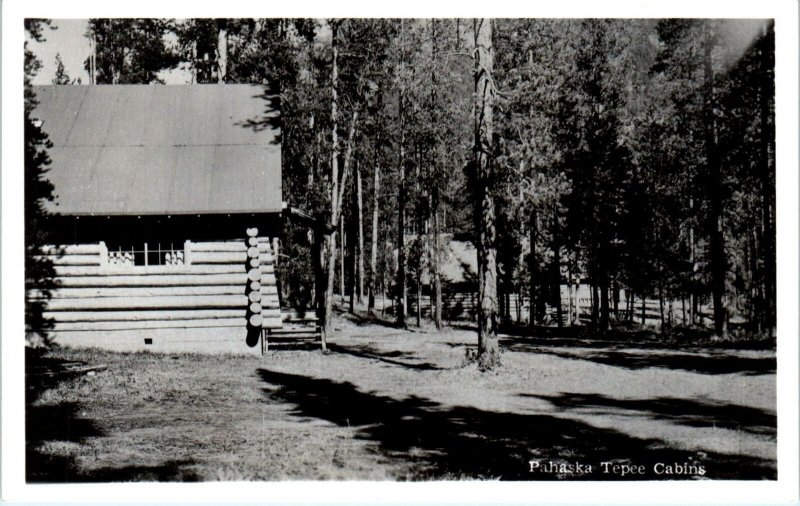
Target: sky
<point>68,40</point>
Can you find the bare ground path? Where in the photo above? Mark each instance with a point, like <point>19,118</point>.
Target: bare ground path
<point>391,404</point>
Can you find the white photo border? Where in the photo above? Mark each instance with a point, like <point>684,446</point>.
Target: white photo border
<point>785,489</point>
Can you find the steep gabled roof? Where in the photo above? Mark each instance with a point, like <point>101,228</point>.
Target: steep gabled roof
<point>141,149</point>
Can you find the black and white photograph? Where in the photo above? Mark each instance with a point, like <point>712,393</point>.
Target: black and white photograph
<point>401,249</point>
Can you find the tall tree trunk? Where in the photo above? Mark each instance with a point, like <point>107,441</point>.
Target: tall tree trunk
<point>694,266</point>
<point>488,348</point>
<point>533,267</point>
<point>760,283</point>
<point>342,257</point>
<point>683,310</point>
<point>767,169</point>
<point>373,257</point>
<point>337,186</point>
<point>501,302</point>
<point>401,242</point>
<point>644,309</point>
<point>313,167</point>
<point>313,234</point>
<point>631,297</point>
<point>570,306</point>
<point>401,192</point>
<point>604,309</point>
<point>419,293</point>
<point>193,70</point>
<point>360,242</point>
<point>670,308</point>
<point>557,277</point>
<point>557,268</point>
<point>718,267</point>
<point>354,267</point>
<point>422,235</point>
<point>437,278</point>
<point>222,51</point>
<point>330,239</point>
<point>320,258</point>
<point>433,252</point>
<point>330,251</point>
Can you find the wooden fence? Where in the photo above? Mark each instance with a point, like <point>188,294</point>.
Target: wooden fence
<point>464,305</point>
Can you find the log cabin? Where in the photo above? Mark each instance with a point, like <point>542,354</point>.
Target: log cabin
<point>458,271</point>
<point>167,210</point>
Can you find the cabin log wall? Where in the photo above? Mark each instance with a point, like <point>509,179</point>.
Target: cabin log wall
<point>209,292</point>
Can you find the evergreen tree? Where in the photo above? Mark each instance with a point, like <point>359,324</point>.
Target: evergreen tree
<point>483,165</point>
<point>623,153</point>
<point>130,50</point>
<point>39,271</point>
<point>61,76</point>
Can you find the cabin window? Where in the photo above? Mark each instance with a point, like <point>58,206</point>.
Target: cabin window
<point>147,254</point>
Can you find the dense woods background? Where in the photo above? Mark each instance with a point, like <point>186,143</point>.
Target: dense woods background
<point>632,156</point>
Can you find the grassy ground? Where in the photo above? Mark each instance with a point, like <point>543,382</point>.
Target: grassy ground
<point>388,404</point>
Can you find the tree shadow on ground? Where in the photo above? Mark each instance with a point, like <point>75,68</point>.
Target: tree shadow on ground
<point>367,319</point>
<point>396,357</point>
<point>688,412</point>
<point>702,363</point>
<point>640,356</point>
<point>443,442</point>
<point>627,334</point>
<point>58,424</point>
<point>53,433</point>
<point>60,469</point>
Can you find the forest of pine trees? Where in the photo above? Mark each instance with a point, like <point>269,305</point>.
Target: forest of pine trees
<point>635,157</point>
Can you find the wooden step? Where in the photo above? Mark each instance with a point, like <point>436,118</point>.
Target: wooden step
<point>294,331</point>
<point>293,339</point>
<point>297,334</point>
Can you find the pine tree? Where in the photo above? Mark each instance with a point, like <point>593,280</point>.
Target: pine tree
<point>488,349</point>
<point>39,271</point>
<point>61,76</point>
<point>130,50</point>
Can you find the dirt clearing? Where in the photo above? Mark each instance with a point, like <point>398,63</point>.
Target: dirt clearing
<point>389,404</point>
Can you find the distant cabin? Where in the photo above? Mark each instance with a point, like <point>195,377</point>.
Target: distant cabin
<point>458,271</point>
<point>168,202</point>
